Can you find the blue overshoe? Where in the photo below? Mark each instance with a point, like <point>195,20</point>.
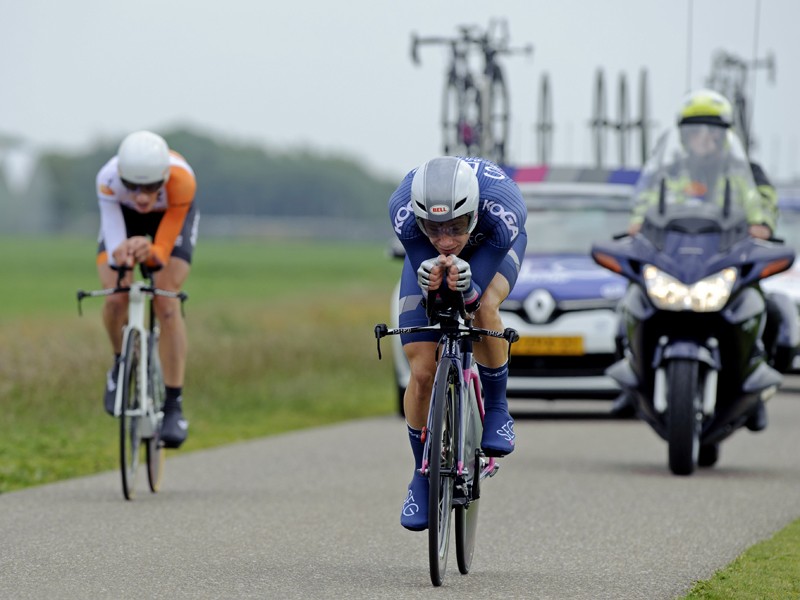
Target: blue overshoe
<point>498,433</point>
<point>414,515</point>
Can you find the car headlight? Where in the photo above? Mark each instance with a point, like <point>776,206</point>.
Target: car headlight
<point>707,295</point>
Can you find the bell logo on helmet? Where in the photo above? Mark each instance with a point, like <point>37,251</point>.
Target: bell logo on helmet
<point>440,209</point>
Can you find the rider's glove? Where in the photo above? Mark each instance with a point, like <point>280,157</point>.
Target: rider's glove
<point>464,274</point>
<point>424,273</point>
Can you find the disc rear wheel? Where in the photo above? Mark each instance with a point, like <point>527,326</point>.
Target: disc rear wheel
<point>467,528</point>
<point>467,514</point>
<point>155,448</point>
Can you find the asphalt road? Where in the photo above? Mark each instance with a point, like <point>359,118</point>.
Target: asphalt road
<point>585,508</point>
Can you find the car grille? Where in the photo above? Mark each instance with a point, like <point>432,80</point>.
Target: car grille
<point>560,366</point>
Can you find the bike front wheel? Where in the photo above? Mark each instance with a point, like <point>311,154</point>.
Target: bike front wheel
<point>130,418</point>
<point>442,468</point>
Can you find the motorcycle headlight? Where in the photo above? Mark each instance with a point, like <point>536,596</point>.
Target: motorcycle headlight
<point>707,295</point>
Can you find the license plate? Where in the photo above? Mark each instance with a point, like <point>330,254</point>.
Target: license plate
<point>549,346</point>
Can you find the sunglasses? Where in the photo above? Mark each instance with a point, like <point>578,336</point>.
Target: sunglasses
<point>453,228</point>
<point>147,188</point>
<point>715,134</point>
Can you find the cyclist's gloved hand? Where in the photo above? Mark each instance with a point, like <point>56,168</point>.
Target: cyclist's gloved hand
<point>461,280</point>
<point>426,269</point>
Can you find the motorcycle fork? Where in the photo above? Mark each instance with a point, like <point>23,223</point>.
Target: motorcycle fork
<point>709,372</point>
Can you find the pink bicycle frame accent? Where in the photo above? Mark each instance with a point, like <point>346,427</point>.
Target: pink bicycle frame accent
<point>471,378</point>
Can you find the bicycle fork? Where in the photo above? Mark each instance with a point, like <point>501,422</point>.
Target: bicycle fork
<point>136,322</point>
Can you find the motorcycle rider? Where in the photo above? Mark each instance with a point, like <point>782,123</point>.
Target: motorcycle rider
<point>705,121</point>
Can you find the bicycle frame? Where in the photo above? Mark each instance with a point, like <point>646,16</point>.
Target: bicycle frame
<point>137,304</point>
<point>458,350</point>
<point>138,311</point>
<point>456,346</point>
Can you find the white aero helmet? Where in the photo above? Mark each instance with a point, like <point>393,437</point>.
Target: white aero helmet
<point>444,189</point>
<point>143,157</point>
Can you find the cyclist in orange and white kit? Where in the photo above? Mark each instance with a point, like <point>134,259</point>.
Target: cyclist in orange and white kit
<point>147,215</point>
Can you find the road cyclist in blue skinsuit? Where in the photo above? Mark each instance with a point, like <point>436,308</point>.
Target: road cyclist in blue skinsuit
<point>462,224</point>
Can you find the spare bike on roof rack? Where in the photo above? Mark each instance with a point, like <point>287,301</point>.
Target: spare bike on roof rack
<point>475,104</point>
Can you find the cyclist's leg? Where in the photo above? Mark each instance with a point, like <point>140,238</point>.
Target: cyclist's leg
<point>115,315</point>
<point>421,357</point>
<point>115,307</point>
<point>172,350</point>
<point>491,354</point>
<point>173,343</point>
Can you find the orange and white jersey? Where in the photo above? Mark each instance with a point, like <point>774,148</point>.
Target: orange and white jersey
<point>174,200</point>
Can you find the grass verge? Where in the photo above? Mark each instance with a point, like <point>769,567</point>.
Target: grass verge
<point>280,333</point>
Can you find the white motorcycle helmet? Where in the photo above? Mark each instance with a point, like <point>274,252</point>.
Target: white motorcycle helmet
<point>143,158</point>
<point>444,189</point>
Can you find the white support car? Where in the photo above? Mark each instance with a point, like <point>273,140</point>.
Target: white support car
<point>563,304</point>
<point>787,283</point>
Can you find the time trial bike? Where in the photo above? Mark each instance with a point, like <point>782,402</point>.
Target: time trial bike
<point>452,459</point>
<point>140,384</point>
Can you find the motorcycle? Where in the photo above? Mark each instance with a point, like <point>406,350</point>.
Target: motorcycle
<point>693,361</point>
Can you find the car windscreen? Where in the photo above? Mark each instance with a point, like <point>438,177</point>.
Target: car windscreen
<point>571,225</point>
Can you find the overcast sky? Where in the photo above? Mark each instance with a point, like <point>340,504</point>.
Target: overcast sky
<point>337,77</point>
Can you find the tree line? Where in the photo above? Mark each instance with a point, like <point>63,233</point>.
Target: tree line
<point>236,179</point>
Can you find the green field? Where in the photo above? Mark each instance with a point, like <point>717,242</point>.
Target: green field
<point>280,338</point>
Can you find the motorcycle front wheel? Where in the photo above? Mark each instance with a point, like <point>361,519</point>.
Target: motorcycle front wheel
<point>684,415</point>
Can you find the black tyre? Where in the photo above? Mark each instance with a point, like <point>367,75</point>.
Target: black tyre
<point>544,125</point>
<point>155,448</point>
<point>623,120</point>
<point>470,124</point>
<point>467,516</point>
<point>644,118</point>
<point>442,469</point>
<point>461,117</point>
<point>599,120</point>
<point>684,415</point>
<point>498,118</point>
<point>451,108</point>
<point>129,420</point>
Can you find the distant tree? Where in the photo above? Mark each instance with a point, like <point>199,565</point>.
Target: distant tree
<point>237,178</point>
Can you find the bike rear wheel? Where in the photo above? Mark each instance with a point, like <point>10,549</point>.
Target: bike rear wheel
<point>442,468</point>
<point>461,117</point>
<point>467,515</point>
<point>498,119</point>
<point>155,448</point>
<point>130,417</point>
